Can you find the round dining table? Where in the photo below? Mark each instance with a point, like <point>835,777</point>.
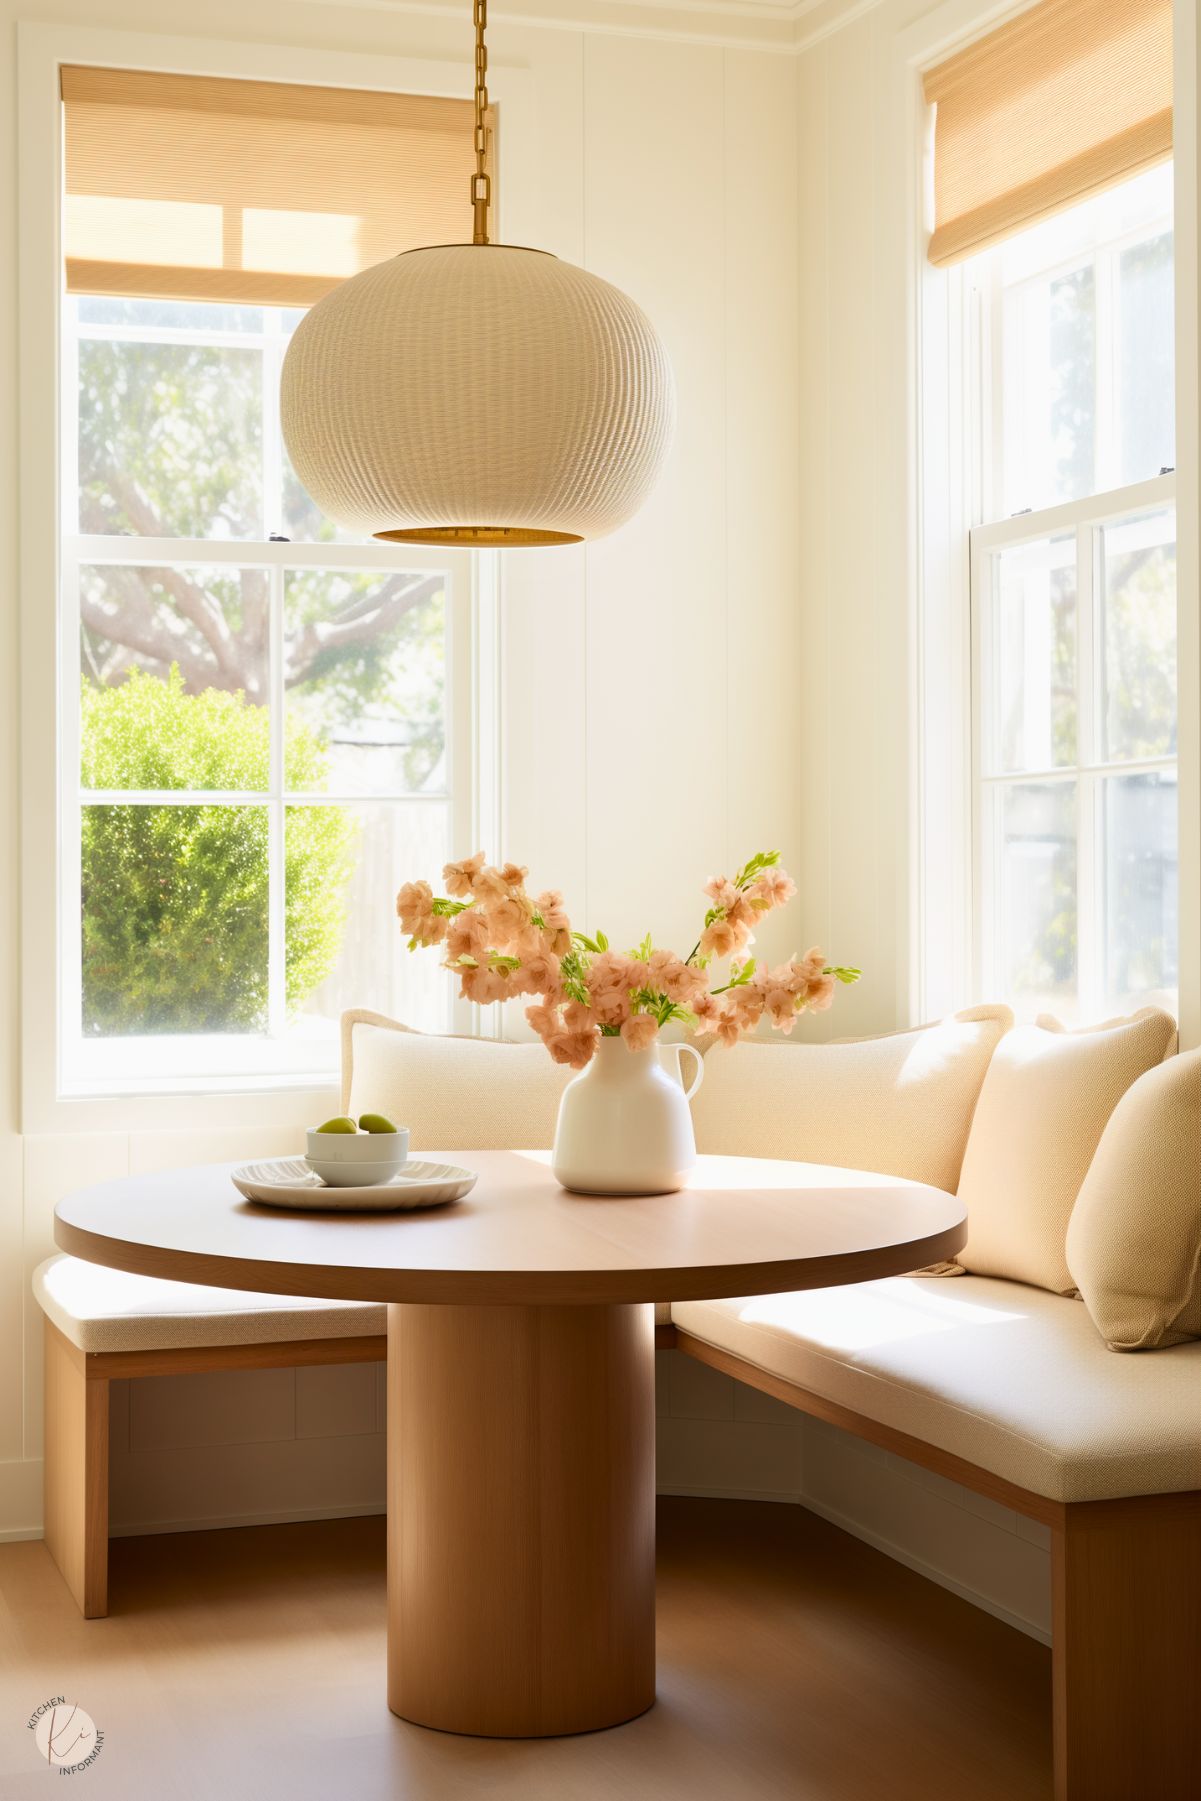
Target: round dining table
<point>520,1411</point>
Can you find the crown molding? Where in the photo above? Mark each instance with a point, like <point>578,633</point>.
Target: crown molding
<point>786,27</point>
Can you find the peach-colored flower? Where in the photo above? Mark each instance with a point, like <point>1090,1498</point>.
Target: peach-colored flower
<point>721,891</point>
<point>508,915</point>
<point>773,888</point>
<point>745,1005</point>
<point>707,1010</point>
<point>610,1005</point>
<point>787,976</point>
<point>546,1021</point>
<point>820,994</point>
<point>514,874</point>
<point>490,885</point>
<point>573,1048</point>
<point>577,1017</point>
<point>639,1031</point>
<point>467,934</point>
<point>539,974</point>
<point>812,963</point>
<point>460,878</point>
<point>728,1029</point>
<point>528,942</point>
<point>494,984</point>
<point>679,981</point>
<point>415,910</point>
<point>550,905</point>
<point>740,912</point>
<point>469,975</point>
<point>611,969</point>
<point>720,939</point>
<point>780,1005</point>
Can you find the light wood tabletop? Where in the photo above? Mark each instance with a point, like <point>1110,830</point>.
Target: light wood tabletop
<point>744,1225</point>
<point>521,1389</point>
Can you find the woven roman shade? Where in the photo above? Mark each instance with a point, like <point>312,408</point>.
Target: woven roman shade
<point>263,193</point>
<point>1064,100</point>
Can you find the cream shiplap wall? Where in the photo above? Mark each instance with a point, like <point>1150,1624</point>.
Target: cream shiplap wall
<point>651,720</point>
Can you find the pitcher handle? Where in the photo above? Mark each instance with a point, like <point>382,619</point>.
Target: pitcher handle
<point>700,1068</point>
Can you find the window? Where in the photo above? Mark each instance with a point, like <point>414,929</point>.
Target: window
<point>264,723</point>
<point>1073,602</point>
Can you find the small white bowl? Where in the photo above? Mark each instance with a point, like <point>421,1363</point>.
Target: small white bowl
<point>350,1173</point>
<point>359,1147</point>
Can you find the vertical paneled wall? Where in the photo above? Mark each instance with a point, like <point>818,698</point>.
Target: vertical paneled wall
<point>653,724</point>
<point>854,774</point>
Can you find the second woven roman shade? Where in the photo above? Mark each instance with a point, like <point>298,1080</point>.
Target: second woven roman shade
<point>261,193</point>
<point>1062,101</point>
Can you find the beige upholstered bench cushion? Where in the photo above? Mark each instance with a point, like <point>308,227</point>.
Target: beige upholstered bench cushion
<point>901,1104</point>
<point>1011,1378</point>
<point>110,1310</point>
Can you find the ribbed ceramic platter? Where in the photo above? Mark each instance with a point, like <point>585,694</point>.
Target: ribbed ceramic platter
<point>289,1182</point>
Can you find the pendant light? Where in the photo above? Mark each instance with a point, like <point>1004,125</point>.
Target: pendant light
<point>477,394</point>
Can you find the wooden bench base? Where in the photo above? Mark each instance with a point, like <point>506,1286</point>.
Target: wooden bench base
<point>1126,1611</point>
<point>76,1413</point>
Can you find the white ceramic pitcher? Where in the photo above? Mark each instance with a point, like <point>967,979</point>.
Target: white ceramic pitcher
<point>624,1122</point>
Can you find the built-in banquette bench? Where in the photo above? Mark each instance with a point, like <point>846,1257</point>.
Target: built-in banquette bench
<point>1079,1157</point>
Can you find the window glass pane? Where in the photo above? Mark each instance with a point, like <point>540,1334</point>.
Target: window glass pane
<point>1139,636</point>
<point>1049,390</point>
<point>174,668</point>
<point>169,315</point>
<point>174,919</point>
<point>365,675</point>
<point>1035,662</point>
<point>1140,826</point>
<point>343,948</point>
<point>170,440</point>
<point>1036,945</point>
<point>1146,358</point>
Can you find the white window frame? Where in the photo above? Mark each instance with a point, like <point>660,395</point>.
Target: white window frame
<point>1085,520</point>
<point>181,1104</point>
<point>941,337</point>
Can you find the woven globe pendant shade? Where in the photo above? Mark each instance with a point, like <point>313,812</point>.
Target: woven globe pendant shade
<point>477,394</point>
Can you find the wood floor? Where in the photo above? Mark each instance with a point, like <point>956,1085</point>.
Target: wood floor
<point>795,1664</point>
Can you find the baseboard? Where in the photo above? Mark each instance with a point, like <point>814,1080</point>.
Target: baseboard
<point>932,1574</point>
<point>19,1535</point>
<point>226,1522</point>
<point>710,1493</point>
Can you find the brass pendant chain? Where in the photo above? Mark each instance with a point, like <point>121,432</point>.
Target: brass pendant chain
<point>481,183</point>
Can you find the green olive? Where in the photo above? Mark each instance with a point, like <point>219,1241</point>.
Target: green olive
<point>338,1125</point>
<point>376,1122</point>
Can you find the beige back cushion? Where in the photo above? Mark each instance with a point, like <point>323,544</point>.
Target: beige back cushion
<point>901,1104</point>
<point>1045,1102</point>
<point>452,1093</point>
<point>1134,1239</point>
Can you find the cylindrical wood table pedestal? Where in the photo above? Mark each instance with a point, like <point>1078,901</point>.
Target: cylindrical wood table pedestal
<point>521,1517</point>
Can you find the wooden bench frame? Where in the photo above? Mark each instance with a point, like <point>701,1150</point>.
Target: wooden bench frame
<point>76,1417</point>
<point>1126,1574</point>
<point>1125,1614</point>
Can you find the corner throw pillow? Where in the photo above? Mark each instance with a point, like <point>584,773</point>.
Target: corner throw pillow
<point>452,1093</point>
<point>1134,1241</point>
<point>900,1105</point>
<point>1045,1102</point>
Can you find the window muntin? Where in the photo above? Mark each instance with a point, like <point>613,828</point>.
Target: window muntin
<point>264,720</point>
<point>1074,611</point>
